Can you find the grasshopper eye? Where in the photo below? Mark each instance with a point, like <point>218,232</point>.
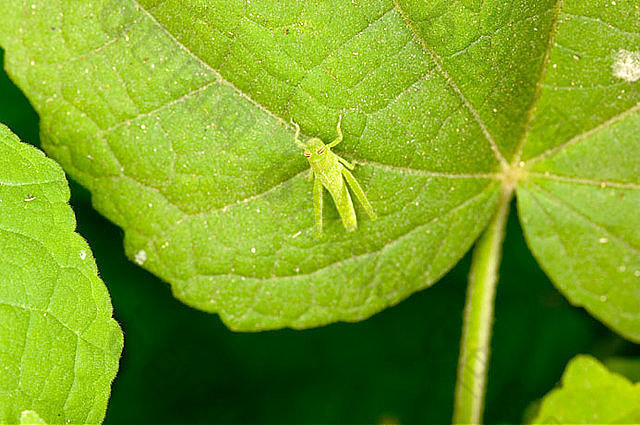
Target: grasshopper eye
<point>307,154</point>
<point>320,151</point>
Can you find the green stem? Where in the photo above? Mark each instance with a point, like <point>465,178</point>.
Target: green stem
<point>478,317</point>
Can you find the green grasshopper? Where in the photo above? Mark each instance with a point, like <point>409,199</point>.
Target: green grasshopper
<point>330,172</point>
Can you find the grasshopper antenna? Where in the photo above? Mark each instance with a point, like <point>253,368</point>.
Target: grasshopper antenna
<point>299,142</point>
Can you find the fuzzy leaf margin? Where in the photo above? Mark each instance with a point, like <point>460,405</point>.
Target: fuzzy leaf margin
<point>59,345</point>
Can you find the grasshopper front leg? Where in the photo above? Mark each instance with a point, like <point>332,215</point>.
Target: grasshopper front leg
<point>296,139</point>
<point>339,131</point>
<point>317,204</point>
<point>346,163</point>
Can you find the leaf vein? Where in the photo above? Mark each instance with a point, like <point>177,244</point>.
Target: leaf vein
<point>602,183</point>
<point>51,314</point>
<point>164,106</point>
<point>453,210</point>
<point>209,67</point>
<point>530,114</point>
<point>552,151</point>
<point>586,292</point>
<point>600,21</point>
<point>562,203</point>
<point>452,84</point>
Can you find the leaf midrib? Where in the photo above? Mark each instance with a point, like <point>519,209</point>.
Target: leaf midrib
<point>454,210</point>
<point>436,60</point>
<point>530,114</point>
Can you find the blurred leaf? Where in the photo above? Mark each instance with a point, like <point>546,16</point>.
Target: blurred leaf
<point>590,394</point>
<point>29,417</point>
<point>626,366</point>
<point>59,346</point>
<point>175,115</point>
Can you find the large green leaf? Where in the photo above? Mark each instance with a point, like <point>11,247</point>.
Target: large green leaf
<point>59,345</point>
<point>176,116</point>
<point>590,394</point>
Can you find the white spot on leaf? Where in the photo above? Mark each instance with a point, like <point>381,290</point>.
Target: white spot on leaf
<point>627,65</point>
<point>141,257</point>
<point>83,254</point>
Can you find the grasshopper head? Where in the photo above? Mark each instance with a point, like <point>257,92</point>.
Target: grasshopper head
<point>315,149</point>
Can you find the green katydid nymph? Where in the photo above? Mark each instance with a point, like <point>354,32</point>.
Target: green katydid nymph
<point>330,172</point>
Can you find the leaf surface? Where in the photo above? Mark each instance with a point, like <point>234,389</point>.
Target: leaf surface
<point>176,116</point>
<point>590,394</point>
<point>59,345</point>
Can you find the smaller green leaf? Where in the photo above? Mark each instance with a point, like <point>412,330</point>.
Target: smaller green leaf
<point>59,345</point>
<point>590,394</point>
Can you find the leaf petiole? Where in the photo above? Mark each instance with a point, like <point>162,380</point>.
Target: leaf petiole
<point>478,317</point>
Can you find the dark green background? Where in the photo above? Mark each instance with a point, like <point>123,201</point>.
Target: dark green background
<point>183,366</point>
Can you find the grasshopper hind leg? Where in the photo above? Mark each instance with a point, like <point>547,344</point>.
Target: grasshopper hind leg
<point>317,205</point>
<point>357,190</point>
